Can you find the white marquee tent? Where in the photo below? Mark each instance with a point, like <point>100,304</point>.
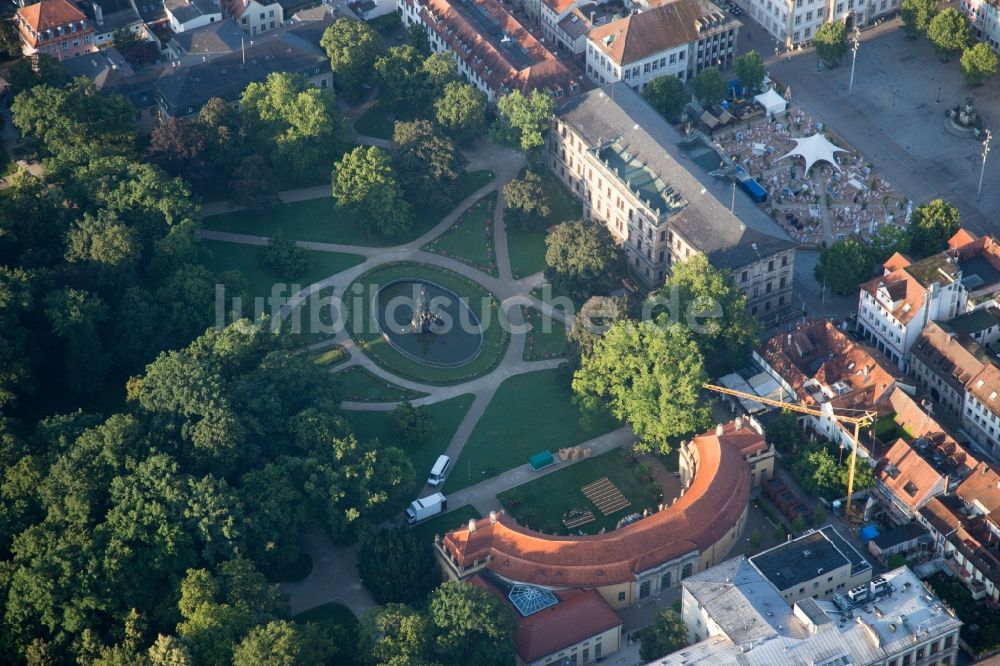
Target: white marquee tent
<point>772,102</point>
<point>814,149</point>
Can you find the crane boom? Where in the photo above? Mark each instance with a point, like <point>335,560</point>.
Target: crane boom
<point>865,419</point>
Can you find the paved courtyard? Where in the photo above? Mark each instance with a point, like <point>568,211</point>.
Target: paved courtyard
<point>895,115</point>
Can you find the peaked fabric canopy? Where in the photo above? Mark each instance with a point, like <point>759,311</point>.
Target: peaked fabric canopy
<point>771,101</point>
<point>814,149</point>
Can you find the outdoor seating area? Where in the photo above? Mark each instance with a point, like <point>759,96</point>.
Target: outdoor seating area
<point>831,201</point>
<point>577,517</point>
<point>606,496</point>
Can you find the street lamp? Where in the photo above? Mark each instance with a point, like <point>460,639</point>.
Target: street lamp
<point>854,58</point>
<point>982,171</point>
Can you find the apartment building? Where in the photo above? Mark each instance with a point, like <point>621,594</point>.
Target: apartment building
<point>984,19</point>
<point>56,28</point>
<point>957,363</point>
<point>678,38</point>
<point>621,159</point>
<point>794,22</point>
<point>255,16</point>
<point>494,50</point>
<point>894,308</point>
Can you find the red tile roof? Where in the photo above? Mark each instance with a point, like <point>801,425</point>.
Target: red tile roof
<point>982,487</point>
<point>579,615</point>
<point>49,14</point>
<point>449,21</point>
<point>663,27</point>
<point>986,387</point>
<point>819,350</point>
<point>910,478</point>
<point>709,509</point>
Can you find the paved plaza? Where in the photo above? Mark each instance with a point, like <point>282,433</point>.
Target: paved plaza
<point>895,115</point>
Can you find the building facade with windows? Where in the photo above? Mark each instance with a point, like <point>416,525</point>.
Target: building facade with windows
<point>984,19</point>
<point>255,16</point>
<point>56,28</point>
<point>622,160</point>
<point>794,22</point>
<point>678,38</point>
<point>629,564</point>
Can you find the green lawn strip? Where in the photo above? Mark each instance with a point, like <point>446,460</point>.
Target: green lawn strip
<point>526,249</point>
<point>529,413</point>
<point>470,239</point>
<point>359,385</point>
<point>446,416</point>
<point>380,120</point>
<point>331,356</point>
<point>542,503</point>
<point>563,204</point>
<point>323,221</point>
<point>547,338</point>
<point>260,279</point>
<point>484,305</point>
<point>440,525</point>
<point>339,613</point>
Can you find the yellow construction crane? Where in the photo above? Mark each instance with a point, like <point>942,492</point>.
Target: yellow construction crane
<point>866,418</point>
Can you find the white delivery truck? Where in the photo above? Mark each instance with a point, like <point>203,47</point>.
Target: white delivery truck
<point>425,507</point>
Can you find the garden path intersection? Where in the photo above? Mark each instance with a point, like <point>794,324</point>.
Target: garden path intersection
<point>334,577</point>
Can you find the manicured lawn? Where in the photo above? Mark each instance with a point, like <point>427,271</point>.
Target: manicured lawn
<point>357,384</point>
<point>380,120</point>
<point>331,356</point>
<point>339,613</point>
<point>526,247</point>
<point>542,503</point>
<point>446,415</point>
<point>444,523</point>
<point>321,220</point>
<point>470,239</point>
<point>529,413</point>
<point>547,338</point>
<point>260,279</point>
<point>483,304</point>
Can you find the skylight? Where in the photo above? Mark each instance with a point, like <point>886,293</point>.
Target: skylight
<point>528,599</point>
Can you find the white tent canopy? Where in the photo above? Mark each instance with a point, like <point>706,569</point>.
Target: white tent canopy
<point>815,148</point>
<point>772,102</point>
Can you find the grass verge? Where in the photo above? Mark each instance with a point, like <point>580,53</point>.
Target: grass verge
<point>470,239</point>
<point>440,525</point>
<point>358,385</point>
<point>546,339</point>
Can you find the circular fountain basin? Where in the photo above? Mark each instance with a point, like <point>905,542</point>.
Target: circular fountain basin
<point>454,340</point>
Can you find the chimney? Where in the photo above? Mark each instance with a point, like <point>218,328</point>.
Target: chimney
<point>98,15</point>
<point>493,517</point>
<point>472,524</point>
<point>719,429</point>
<point>739,422</point>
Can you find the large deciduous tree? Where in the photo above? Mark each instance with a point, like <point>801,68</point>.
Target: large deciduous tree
<point>931,225</point>
<point>949,33</point>
<point>524,120</point>
<point>365,183</point>
<point>830,40</point>
<point>979,64</point>
<point>667,633</point>
<point>582,258</point>
<point>709,87</point>
<point>461,111</point>
<point>667,95</point>
<point>353,47</point>
<point>917,15</point>
<point>471,626</point>
<point>401,75</point>
<point>527,202</point>
<point>650,375</point>
<point>706,299</point>
<point>429,164</point>
<point>750,70</point>
<point>843,266</point>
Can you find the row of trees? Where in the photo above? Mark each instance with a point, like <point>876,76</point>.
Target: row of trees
<point>847,263</point>
<point>949,33</point>
<point>668,96</point>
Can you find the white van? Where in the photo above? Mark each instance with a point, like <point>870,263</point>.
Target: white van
<point>439,471</point>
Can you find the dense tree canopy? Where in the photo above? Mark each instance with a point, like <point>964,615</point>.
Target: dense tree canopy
<point>667,95</point>
<point>649,374</point>
<point>400,74</point>
<point>948,33</point>
<point>527,201</point>
<point>707,300</point>
<point>917,15</point>
<point>931,225</point>
<point>582,258</point>
<point>750,70</point>
<point>429,164</point>
<point>397,567</point>
<point>353,47</point>
<point>843,266</point>
<point>524,120</point>
<point>461,111</point>
<point>667,633</point>
<point>709,87</point>
<point>979,64</point>
<point>830,40</point>
<point>366,183</point>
